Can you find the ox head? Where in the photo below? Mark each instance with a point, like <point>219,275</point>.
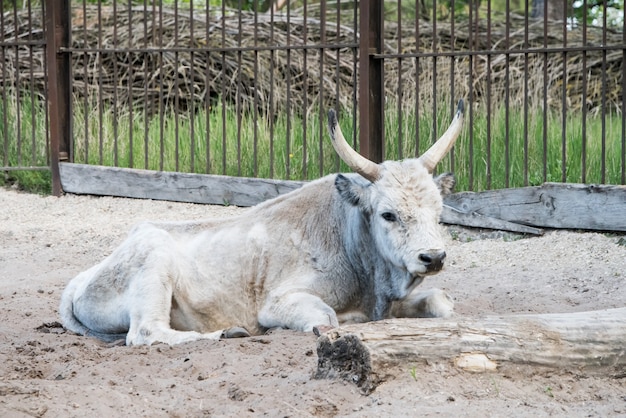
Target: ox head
<point>401,199</point>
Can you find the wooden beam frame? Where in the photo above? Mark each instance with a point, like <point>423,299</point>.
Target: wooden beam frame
<point>371,81</point>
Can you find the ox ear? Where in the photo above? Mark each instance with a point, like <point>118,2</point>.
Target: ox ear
<point>349,190</point>
<point>445,182</point>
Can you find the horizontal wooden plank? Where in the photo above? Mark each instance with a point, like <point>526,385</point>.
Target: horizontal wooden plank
<point>179,187</point>
<point>551,205</point>
<point>526,210</point>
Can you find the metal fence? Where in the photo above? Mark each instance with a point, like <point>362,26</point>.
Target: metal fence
<point>242,87</point>
<point>23,117</point>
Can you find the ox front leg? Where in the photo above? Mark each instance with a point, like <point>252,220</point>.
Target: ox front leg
<point>297,310</point>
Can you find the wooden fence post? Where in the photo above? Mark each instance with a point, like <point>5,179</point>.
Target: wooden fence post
<point>371,82</point>
<point>58,63</point>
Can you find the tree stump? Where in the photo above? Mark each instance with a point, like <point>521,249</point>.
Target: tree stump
<point>589,342</point>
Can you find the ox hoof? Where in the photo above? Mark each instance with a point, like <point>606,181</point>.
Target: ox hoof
<point>273,330</point>
<point>235,332</point>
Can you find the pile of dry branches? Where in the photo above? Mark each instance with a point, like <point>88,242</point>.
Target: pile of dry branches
<point>527,71</point>
<point>153,58</point>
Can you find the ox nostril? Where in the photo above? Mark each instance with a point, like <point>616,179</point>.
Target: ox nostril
<point>433,260</point>
<point>425,258</point>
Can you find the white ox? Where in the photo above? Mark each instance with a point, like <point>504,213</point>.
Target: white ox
<point>340,249</point>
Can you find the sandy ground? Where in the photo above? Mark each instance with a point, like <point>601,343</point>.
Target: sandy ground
<point>45,241</point>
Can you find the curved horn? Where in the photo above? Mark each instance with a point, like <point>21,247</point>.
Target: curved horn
<point>444,144</point>
<point>368,169</point>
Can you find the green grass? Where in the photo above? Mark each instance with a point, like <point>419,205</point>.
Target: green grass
<point>486,167</point>
<point>297,153</point>
<point>282,148</point>
<point>23,142</point>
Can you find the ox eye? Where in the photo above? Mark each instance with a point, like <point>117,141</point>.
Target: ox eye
<point>389,217</point>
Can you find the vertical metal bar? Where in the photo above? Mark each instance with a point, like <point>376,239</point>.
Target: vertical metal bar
<point>161,90</point>
<point>417,80</point>
<point>305,88</point>
<point>471,42</point>
<point>526,93</point>
<point>564,101</point>
<point>322,116</point>
<point>176,93</point>
<point>434,72</point>
<point>238,99</point>
<point>86,94</point>
<point>399,133</point>
<point>288,110</point>
<point>57,36</point>
<point>5,127</point>
<point>115,99</point>
<point>545,91</point>
<point>223,98</point>
<point>507,100</point>
<point>191,107</point>
<point>46,84</point>
<point>131,62</point>
<point>355,70</point>
<point>337,78</point>
<point>255,127</point>
<point>207,78</point>
<point>17,93</point>
<point>452,70</point>
<point>584,98</point>
<point>371,88</point>
<point>270,112</point>
<point>148,104</point>
<point>100,84</point>
<point>623,179</point>
<point>68,88</point>
<point>489,168</point>
<point>604,87</point>
<point>33,142</point>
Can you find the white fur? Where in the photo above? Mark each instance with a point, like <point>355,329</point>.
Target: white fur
<point>298,261</point>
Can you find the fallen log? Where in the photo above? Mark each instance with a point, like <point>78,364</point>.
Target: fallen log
<point>584,342</point>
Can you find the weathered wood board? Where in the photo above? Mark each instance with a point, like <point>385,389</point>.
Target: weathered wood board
<point>453,216</point>
<point>586,342</point>
<point>552,205</point>
<point>524,210</point>
<point>179,187</point>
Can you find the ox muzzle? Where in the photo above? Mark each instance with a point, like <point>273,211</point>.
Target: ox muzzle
<point>432,260</point>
